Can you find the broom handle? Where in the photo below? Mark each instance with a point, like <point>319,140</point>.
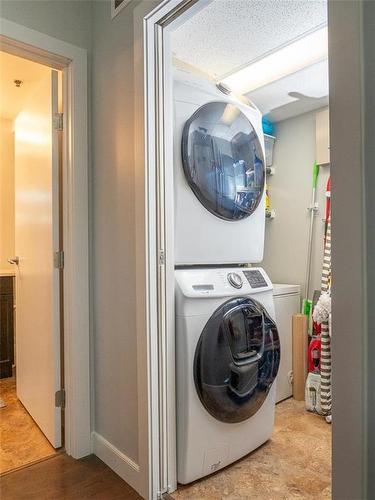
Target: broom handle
<point>312,210</point>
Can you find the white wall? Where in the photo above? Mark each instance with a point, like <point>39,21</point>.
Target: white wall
<point>113,258</point>
<point>286,239</point>
<point>68,20</point>
<point>114,228</point>
<point>114,283</point>
<point>7,193</point>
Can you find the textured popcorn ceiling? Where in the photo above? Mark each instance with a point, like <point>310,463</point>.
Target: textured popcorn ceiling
<point>228,34</point>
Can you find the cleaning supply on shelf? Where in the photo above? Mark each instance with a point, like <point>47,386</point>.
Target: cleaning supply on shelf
<point>268,204</point>
<point>267,126</point>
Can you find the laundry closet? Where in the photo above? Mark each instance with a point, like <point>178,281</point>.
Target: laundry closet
<point>251,239</point>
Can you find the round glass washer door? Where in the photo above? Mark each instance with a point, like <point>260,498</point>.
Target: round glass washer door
<point>223,160</point>
<point>236,360</point>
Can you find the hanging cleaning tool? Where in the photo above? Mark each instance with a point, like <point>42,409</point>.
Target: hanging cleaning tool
<point>328,207</point>
<point>313,208</point>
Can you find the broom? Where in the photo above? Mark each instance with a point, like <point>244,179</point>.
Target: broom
<point>307,303</point>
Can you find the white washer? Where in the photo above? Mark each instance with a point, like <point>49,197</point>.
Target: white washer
<point>219,175</point>
<point>227,358</point>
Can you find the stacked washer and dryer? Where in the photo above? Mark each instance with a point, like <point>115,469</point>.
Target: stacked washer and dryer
<point>227,343</point>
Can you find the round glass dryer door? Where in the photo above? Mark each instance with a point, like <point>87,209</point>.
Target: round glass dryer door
<point>223,160</point>
<point>236,360</point>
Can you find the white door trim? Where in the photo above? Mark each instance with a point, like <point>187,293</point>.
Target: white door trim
<point>155,103</point>
<point>72,61</point>
<point>159,238</point>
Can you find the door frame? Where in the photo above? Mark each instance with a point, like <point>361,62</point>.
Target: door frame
<point>153,135</point>
<point>72,61</point>
<point>154,110</point>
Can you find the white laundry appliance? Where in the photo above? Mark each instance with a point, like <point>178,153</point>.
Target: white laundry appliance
<point>219,175</point>
<point>287,299</point>
<point>227,359</point>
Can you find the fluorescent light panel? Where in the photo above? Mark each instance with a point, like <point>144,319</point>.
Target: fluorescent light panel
<point>291,58</point>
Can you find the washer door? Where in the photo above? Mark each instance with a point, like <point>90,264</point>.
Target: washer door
<point>236,360</point>
<point>223,160</point>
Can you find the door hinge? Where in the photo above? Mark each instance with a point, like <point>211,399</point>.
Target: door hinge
<point>58,121</point>
<point>58,259</point>
<point>60,398</point>
<point>161,257</point>
<point>165,495</point>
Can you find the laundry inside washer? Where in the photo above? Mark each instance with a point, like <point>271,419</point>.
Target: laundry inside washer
<point>236,360</point>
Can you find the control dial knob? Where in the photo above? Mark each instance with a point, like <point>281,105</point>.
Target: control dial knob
<point>235,280</point>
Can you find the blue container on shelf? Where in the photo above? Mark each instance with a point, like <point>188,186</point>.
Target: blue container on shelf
<point>267,126</point>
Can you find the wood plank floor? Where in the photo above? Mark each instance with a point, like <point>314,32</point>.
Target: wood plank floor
<point>63,478</point>
<point>21,440</point>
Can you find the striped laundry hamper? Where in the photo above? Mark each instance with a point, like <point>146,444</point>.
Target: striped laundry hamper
<point>325,362</point>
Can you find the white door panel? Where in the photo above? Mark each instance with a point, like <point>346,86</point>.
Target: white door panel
<point>36,239</point>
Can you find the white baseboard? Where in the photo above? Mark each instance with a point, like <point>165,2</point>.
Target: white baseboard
<point>124,466</point>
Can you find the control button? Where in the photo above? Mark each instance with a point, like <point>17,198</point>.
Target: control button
<point>235,280</point>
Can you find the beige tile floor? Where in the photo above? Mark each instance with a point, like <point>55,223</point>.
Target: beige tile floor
<point>21,440</point>
<point>294,464</point>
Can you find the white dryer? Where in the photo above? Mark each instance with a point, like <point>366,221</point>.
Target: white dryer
<point>227,359</point>
<point>219,175</point>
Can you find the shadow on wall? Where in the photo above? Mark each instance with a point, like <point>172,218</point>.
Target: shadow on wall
<point>286,238</point>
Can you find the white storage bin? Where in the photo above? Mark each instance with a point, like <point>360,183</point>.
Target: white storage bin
<point>287,300</point>
<point>269,142</point>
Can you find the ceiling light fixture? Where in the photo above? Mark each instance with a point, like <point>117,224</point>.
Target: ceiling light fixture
<point>289,59</point>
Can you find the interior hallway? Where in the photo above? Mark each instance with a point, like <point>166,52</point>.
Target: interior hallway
<point>63,478</point>
<point>21,440</point>
<point>294,464</point>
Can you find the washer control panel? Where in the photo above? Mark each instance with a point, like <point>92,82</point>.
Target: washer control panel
<point>255,278</point>
<point>222,282</point>
<point>235,280</point>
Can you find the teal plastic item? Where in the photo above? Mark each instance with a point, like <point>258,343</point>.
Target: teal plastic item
<point>267,126</point>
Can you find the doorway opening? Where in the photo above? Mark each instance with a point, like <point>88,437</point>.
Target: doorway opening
<point>71,61</point>
<point>262,216</point>
<point>31,281</point>
<point>249,124</point>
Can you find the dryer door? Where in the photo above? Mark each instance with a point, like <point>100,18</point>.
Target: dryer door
<point>223,160</point>
<point>236,360</point>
